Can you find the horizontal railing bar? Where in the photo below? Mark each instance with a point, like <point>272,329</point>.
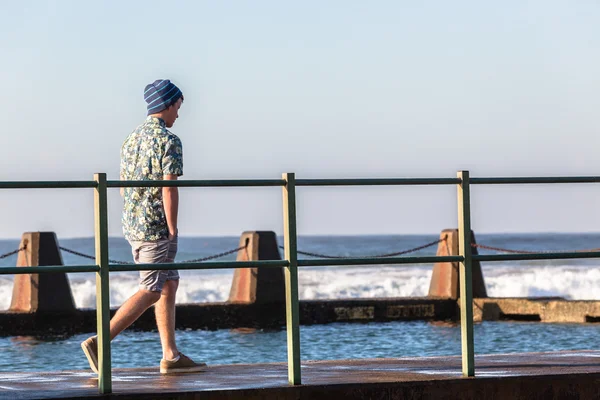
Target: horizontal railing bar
<point>48,268</point>
<point>198,183</point>
<point>535,256</point>
<point>299,182</point>
<point>377,182</point>
<point>375,261</point>
<point>199,266</point>
<point>47,184</point>
<point>535,180</point>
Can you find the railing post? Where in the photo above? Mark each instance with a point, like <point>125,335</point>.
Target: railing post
<point>292,308</point>
<point>466,280</point>
<point>102,290</point>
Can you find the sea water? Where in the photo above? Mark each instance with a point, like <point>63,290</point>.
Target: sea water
<point>571,279</point>
<point>317,342</point>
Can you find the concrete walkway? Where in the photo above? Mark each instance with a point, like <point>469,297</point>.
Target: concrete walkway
<point>557,375</point>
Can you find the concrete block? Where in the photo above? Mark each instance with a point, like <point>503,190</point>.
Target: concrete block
<point>258,285</point>
<point>445,277</point>
<point>47,292</point>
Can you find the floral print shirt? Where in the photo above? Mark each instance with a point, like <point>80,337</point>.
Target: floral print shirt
<point>148,153</point>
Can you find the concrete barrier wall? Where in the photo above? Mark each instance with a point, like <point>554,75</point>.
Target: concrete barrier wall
<point>213,316</point>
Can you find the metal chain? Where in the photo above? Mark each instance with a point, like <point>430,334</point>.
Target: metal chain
<point>482,246</point>
<point>225,253</point>
<point>318,255</point>
<point>11,253</point>
<point>77,253</point>
<point>219,255</point>
<point>398,253</point>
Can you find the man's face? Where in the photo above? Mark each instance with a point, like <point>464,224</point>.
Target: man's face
<point>172,113</point>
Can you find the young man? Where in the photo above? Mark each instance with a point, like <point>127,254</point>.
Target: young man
<point>151,152</point>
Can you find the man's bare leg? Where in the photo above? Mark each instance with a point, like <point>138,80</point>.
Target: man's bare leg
<point>165,319</point>
<point>131,310</point>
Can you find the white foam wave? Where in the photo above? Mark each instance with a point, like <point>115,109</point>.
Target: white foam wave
<point>193,288</point>
<point>6,286</point>
<point>359,282</point>
<point>575,283</point>
<point>572,282</point>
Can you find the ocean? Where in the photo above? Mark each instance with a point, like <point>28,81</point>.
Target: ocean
<point>571,279</point>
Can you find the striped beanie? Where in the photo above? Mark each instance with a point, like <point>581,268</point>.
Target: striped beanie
<point>160,95</point>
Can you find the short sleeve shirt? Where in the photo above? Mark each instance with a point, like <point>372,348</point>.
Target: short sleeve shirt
<point>148,153</point>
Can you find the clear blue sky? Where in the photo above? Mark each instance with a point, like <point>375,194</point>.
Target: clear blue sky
<point>320,88</point>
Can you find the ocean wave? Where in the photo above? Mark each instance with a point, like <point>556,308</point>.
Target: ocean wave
<point>574,283</point>
<point>569,281</point>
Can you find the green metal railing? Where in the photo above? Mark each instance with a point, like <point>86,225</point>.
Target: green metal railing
<point>290,263</point>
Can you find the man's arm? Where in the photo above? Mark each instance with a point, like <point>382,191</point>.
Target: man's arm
<point>172,167</point>
<point>171,204</point>
<point>122,169</point>
<point>122,190</point>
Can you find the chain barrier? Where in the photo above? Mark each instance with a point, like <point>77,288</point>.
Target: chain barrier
<point>219,255</point>
<point>499,249</point>
<point>398,253</point>
<point>226,253</point>
<point>77,253</point>
<point>11,253</point>
<point>319,255</point>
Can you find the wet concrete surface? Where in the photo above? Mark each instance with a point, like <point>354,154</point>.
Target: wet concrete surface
<point>556,375</point>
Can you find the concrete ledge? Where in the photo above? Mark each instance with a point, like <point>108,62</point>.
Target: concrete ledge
<point>213,316</point>
<point>537,309</point>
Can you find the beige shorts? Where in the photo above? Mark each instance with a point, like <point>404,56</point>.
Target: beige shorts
<point>156,252</point>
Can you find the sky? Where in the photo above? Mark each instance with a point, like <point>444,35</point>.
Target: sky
<point>335,89</point>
